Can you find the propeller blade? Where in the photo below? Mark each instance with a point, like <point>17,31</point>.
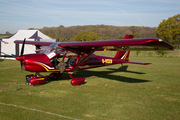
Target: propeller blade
<point>22,49</point>
<point>20,58</point>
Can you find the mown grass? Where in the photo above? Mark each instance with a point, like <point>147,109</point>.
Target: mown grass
<point>2,36</point>
<point>111,92</point>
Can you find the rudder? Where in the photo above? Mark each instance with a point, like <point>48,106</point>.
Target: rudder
<point>124,54</point>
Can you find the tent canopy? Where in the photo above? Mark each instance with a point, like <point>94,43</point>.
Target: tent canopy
<point>32,35</point>
<point>29,34</point>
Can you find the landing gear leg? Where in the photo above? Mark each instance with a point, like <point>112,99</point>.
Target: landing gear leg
<point>76,81</point>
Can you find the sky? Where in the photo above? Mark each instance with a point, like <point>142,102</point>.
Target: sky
<point>24,14</point>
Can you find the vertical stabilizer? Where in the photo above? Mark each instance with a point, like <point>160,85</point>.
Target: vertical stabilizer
<point>128,36</point>
<point>124,54</point>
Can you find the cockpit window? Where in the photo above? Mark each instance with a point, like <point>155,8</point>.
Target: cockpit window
<point>52,48</point>
<point>58,55</point>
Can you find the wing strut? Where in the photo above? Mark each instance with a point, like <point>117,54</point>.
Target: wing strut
<point>78,62</point>
<point>79,81</point>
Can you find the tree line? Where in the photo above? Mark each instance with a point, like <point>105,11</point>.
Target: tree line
<point>169,30</point>
<point>96,32</point>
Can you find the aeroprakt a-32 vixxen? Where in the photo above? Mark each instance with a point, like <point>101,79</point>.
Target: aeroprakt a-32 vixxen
<point>61,57</point>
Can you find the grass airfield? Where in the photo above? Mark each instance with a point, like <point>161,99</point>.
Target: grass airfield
<point>112,92</point>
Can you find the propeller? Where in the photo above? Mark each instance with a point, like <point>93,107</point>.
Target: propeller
<point>22,49</point>
<point>20,58</point>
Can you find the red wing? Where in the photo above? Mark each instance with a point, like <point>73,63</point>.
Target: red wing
<point>40,43</point>
<point>124,44</point>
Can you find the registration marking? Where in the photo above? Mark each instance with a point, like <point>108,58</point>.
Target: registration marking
<point>107,61</point>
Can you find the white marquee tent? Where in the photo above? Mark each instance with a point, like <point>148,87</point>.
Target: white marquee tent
<point>31,35</point>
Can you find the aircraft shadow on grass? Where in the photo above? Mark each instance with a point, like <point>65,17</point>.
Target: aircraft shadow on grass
<point>105,74</point>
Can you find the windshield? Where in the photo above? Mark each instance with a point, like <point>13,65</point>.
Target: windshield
<point>52,50</point>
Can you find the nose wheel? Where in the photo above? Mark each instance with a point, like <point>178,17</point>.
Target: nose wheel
<point>28,78</point>
<point>36,79</point>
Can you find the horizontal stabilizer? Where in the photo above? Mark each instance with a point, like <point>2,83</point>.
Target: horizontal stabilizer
<point>133,62</point>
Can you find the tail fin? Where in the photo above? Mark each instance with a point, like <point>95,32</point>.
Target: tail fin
<point>124,54</point>
<point>128,36</point>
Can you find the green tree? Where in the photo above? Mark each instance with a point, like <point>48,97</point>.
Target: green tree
<point>169,30</point>
<point>137,35</point>
<point>63,40</point>
<point>161,53</point>
<point>137,53</point>
<point>119,37</point>
<point>107,38</point>
<point>87,36</point>
<point>7,33</point>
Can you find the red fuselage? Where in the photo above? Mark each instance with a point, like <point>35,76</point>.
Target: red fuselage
<point>41,63</point>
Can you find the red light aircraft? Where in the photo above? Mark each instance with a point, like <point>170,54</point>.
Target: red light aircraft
<point>68,57</point>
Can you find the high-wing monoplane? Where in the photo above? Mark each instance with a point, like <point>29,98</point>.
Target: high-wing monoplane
<point>69,57</point>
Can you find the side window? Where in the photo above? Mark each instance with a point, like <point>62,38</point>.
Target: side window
<point>70,58</point>
<point>67,57</point>
<point>70,61</point>
<point>56,60</point>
